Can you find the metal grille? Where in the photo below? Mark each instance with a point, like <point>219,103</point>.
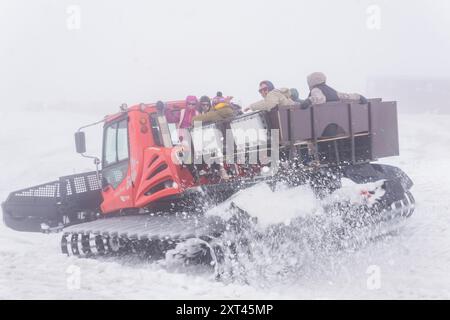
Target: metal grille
<point>94,183</point>
<point>68,187</point>
<point>50,190</point>
<point>80,184</point>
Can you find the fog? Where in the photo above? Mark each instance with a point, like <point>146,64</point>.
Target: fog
<point>99,54</point>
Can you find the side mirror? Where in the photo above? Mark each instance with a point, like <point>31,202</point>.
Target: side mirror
<point>80,142</point>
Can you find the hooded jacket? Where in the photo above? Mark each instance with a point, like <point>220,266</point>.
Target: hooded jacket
<point>276,97</point>
<point>321,92</point>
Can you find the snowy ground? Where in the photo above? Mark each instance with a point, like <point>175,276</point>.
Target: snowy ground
<point>36,147</point>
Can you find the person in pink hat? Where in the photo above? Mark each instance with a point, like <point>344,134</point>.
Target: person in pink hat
<point>189,112</point>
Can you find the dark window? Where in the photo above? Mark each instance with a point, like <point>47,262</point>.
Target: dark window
<point>156,131</point>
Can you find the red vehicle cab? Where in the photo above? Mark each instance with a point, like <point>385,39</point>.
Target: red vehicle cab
<point>137,166</point>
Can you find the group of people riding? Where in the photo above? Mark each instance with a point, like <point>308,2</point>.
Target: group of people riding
<point>222,108</point>
<point>203,109</point>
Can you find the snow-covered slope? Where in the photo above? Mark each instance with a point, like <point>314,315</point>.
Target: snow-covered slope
<point>38,146</point>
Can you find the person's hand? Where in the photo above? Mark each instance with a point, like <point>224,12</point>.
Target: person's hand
<point>247,109</point>
<point>306,104</point>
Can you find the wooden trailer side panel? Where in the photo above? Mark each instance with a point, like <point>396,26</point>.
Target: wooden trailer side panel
<point>384,129</point>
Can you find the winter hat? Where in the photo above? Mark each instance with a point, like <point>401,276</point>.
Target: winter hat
<point>191,99</point>
<point>160,106</point>
<point>294,94</point>
<point>219,98</point>
<point>204,99</point>
<point>315,79</point>
<point>268,84</point>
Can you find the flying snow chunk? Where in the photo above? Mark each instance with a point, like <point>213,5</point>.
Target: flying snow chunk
<point>271,207</point>
<point>359,194</point>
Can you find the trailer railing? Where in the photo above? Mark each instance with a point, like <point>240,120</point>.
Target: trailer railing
<point>330,133</point>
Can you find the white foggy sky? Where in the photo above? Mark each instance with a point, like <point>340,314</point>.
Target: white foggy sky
<point>142,51</point>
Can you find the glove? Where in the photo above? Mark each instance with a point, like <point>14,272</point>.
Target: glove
<point>306,104</point>
<point>363,100</point>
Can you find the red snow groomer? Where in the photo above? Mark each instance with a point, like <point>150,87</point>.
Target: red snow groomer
<point>156,182</point>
